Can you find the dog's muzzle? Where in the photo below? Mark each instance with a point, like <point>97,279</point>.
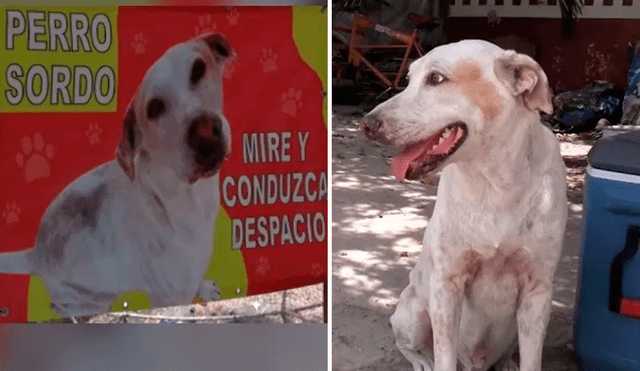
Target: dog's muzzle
<point>207,143</point>
<point>370,125</point>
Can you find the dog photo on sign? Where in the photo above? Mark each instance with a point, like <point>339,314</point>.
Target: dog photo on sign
<point>145,221</point>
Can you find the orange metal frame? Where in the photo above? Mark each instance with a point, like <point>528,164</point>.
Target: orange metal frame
<point>409,42</point>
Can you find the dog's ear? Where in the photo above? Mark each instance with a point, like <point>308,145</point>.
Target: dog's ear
<point>524,77</point>
<point>220,47</point>
<point>126,149</point>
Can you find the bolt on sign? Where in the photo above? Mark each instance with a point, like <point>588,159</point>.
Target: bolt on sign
<point>157,156</point>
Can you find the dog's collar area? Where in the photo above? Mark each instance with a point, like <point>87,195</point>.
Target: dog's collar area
<point>418,159</point>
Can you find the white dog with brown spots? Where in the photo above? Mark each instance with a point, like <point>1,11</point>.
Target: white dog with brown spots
<point>484,280</point>
<point>145,221</point>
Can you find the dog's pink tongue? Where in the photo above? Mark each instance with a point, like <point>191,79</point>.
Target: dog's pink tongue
<point>403,160</point>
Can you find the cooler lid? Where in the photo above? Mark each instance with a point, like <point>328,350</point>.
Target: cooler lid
<point>619,153</point>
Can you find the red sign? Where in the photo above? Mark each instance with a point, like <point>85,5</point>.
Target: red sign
<point>59,120</point>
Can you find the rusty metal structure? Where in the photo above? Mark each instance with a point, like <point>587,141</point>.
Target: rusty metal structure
<point>353,41</point>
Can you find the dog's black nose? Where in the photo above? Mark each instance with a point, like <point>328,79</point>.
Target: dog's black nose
<point>206,140</point>
<point>370,125</point>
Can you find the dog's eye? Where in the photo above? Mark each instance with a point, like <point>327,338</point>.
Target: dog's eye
<point>435,78</point>
<point>155,108</point>
<point>197,71</point>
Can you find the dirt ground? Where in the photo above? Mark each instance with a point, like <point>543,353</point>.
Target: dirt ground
<point>378,226</point>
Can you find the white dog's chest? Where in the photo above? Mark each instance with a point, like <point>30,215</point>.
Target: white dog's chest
<point>492,283</point>
<point>143,243</point>
<point>181,252</point>
<point>490,262</point>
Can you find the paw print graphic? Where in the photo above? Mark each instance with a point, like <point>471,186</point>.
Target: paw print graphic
<point>263,266</point>
<point>229,69</point>
<point>11,213</point>
<point>139,43</point>
<point>93,133</point>
<point>291,102</point>
<point>316,269</point>
<point>205,25</point>
<point>268,60</point>
<point>233,16</point>
<point>34,158</point>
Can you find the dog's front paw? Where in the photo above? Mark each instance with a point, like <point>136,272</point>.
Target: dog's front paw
<point>208,291</point>
<point>507,365</point>
<point>424,365</point>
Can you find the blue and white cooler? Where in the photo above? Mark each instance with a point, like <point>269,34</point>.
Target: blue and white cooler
<point>607,317</point>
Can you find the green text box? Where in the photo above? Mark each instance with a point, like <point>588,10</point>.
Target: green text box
<point>70,52</point>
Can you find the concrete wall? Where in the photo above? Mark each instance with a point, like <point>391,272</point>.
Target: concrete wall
<point>597,50</point>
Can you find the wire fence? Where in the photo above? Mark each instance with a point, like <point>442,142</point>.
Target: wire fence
<point>302,305</point>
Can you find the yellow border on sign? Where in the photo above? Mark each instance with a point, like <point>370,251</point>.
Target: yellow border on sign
<point>310,36</point>
<point>227,268</point>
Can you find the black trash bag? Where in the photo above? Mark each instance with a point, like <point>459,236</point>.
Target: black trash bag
<point>631,102</point>
<point>580,110</point>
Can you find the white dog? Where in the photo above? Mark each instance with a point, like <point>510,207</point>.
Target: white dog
<point>484,281</point>
<point>146,221</point>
